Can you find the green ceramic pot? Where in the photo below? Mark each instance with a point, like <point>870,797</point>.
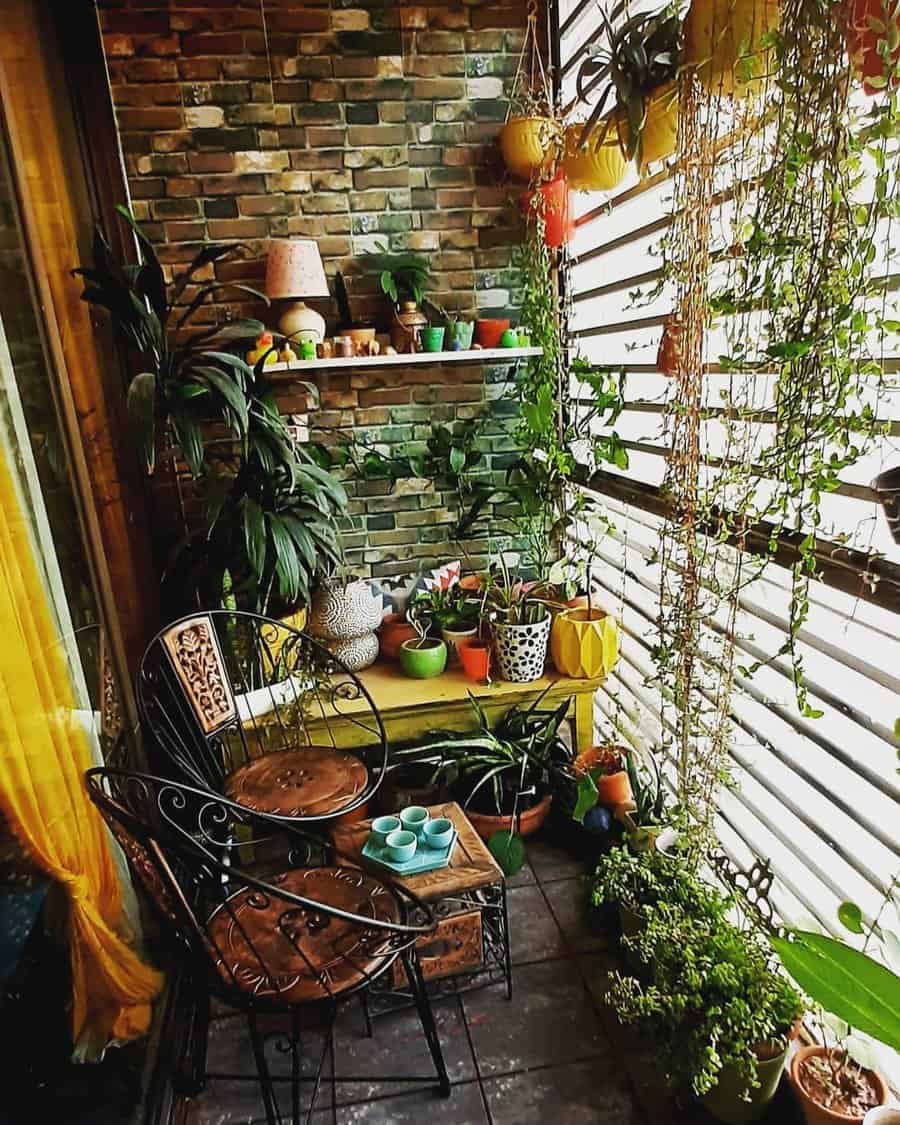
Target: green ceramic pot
<point>421,660</point>
<point>509,339</point>
<point>432,339</point>
<point>459,335</point>
<point>724,1100</point>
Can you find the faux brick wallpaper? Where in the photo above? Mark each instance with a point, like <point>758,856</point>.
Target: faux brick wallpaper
<point>354,123</point>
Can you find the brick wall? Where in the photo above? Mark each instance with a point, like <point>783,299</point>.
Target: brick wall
<point>353,122</point>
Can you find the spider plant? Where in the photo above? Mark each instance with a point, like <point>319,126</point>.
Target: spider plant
<point>632,60</point>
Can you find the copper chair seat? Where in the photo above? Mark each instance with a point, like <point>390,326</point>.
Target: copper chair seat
<point>310,781</point>
<point>308,954</point>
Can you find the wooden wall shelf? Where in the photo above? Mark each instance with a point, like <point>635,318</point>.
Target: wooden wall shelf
<point>485,356</point>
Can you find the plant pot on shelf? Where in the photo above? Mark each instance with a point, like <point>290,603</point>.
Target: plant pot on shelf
<point>421,660</point>
<point>521,650</point>
<point>355,652</point>
<point>454,637</point>
<point>598,166</point>
<point>887,488</point>
<point>406,324</point>
<point>551,203</point>
<point>528,145</point>
<point>362,338</point>
<point>722,43</point>
<point>488,331</point>
<point>395,629</point>
<point>814,1113</point>
<point>584,643</point>
<point>340,611</point>
<point>659,138</point>
<point>862,39</point>
<point>726,1101</point>
<point>475,658</point>
<point>459,335</point>
<point>527,822</point>
<point>432,338</point>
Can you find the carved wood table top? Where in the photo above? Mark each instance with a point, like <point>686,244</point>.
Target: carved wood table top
<point>471,865</point>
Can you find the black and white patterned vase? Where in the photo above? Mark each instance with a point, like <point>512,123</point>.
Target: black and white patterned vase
<point>521,650</point>
<point>355,653</point>
<point>340,612</point>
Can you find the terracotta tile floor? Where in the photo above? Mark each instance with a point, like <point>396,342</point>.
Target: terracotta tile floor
<point>552,1054</point>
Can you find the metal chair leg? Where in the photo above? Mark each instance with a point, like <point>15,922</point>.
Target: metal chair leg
<point>327,1049</point>
<point>367,1015</point>
<point>423,1004</point>
<point>270,1101</point>
<point>190,1076</point>
<point>507,955</point>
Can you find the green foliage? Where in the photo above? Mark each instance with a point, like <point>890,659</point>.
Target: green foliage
<point>449,607</point>
<point>639,881</point>
<point>509,851</point>
<point>403,276</point>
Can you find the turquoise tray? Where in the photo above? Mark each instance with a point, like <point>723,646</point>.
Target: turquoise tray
<point>425,859</point>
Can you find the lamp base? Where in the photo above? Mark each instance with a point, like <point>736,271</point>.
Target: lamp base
<point>299,322</point>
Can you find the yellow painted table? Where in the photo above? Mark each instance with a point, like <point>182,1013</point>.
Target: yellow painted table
<point>411,708</point>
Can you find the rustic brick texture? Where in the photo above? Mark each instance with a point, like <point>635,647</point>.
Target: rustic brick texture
<point>354,122</point>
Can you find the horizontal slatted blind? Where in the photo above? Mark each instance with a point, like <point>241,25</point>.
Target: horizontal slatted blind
<point>819,798</point>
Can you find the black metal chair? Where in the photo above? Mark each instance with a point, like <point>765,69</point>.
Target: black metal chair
<point>302,941</point>
<point>261,713</point>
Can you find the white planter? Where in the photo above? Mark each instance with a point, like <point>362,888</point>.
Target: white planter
<point>340,612</point>
<point>452,637</point>
<point>521,650</point>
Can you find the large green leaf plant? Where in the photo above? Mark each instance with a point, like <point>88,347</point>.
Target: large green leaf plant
<point>269,511</point>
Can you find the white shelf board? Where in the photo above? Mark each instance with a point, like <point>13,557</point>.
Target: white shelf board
<point>284,371</point>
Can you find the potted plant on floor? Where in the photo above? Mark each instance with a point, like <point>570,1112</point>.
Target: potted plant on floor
<point>403,277</point>
<point>638,63</point>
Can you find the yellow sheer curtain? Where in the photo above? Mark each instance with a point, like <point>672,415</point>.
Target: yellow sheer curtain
<point>43,756</point>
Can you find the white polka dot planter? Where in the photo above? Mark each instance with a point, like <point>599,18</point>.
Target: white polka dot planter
<point>521,650</point>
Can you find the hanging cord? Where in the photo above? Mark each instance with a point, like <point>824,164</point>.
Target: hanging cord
<point>531,69</point>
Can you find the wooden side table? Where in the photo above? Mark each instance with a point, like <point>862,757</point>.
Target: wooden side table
<point>470,947</point>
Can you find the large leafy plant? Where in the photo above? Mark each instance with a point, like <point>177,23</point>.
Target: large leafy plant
<point>269,511</point>
<point>403,276</point>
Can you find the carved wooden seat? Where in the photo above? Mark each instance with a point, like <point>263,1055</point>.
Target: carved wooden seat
<point>312,782</point>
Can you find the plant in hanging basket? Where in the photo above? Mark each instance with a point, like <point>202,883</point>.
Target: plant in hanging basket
<point>872,34</point>
<point>638,63</point>
<point>727,43</point>
<point>550,206</point>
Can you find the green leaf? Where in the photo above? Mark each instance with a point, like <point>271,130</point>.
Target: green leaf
<point>850,917</point>
<point>255,536</point>
<point>457,459</point>
<point>587,797</point>
<point>141,403</point>
<point>508,850</point>
<point>850,984</point>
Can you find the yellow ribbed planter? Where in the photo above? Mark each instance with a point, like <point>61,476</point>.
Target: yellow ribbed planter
<point>596,167</point>
<point>529,145</point>
<point>660,136</point>
<point>584,647</point>
<point>722,40</point>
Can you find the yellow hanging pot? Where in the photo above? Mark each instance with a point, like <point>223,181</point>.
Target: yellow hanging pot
<point>660,136</point>
<point>599,165</point>
<point>722,40</point>
<point>529,145</point>
<point>584,643</point>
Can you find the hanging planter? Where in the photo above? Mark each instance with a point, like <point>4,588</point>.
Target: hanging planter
<point>551,203</point>
<point>598,165</point>
<point>530,139</point>
<point>659,138</point>
<point>529,146</point>
<point>669,351</point>
<point>722,42</point>
<point>887,489</point>
<point>866,23</point>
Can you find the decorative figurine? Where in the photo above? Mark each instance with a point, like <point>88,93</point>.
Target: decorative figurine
<point>286,353</point>
<point>263,346</point>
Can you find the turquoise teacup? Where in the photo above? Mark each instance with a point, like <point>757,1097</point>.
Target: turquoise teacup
<point>401,846</point>
<point>438,833</point>
<point>382,827</point>
<point>414,818</point>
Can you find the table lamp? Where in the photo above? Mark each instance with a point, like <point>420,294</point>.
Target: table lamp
<point>294,270</point>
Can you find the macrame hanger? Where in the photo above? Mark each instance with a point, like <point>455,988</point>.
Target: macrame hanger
<point>531,62</point>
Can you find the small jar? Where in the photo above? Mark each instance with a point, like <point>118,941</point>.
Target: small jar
<point>325,349</point>
<point>344,347</point>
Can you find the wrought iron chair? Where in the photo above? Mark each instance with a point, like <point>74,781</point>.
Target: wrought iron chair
<point>303,941</point>
<point>261,713</point>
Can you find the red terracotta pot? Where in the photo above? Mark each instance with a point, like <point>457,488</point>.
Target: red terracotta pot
<point>614,788</point>
<point>475,657</point>
<point>470,582</point>
<point>528,822</point>
<point>553,202</point>
<point>815,1114</point>
<point>862,41</point>
<point>667,354</point>
<point>488,332</point>
<point>394,631</point>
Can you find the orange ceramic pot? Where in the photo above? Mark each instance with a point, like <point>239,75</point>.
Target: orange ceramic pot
<point>475,657</point>
<point>394,631</point>
<point>527,822</point>
<point>613,789</point>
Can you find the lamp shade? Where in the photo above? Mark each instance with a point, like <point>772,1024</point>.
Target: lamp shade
<point>294,269</point>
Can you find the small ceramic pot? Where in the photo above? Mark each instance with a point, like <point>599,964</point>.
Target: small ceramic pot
<point>438,833</point>
<point>521,650</point>
<point>355,653</point>
<point>414,818</point>
<point>395,629</point>
<point>401,846</point>
<point>459,335</point>
<point>612,789</point>
<point>475,657</point>
<point>488,332</point>
<point>361,338</point>
<point>382,827</point>
<point>422,661</point>
<point>584,645</point>
<point>340,611</point>
<point>815,1114</point>
<point>432,339</point>
<point>523,339</point>
<point>454,638</point>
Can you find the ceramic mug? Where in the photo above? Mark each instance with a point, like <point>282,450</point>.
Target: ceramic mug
<point>382,827</point>
<point>438,833</point>
<point>401,846</point>
<point>414,818</point>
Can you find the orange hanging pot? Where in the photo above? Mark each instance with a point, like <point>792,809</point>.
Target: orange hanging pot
<point>861,37</point>
<point>551,202</point>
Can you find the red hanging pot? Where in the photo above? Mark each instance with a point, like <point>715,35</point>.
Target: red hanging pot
<point>667,354</point>
<point>862,40</point>
<point>552,202</point>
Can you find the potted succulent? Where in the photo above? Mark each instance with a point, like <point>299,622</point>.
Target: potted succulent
<point>451,611</point>
<point>403,277</point>
<point>725,42</point>
<point>425,656</point>
<point>638,61</point>
<point>520,626</point>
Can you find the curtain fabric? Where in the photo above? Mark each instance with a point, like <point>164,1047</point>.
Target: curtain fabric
<point>43,755</point>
